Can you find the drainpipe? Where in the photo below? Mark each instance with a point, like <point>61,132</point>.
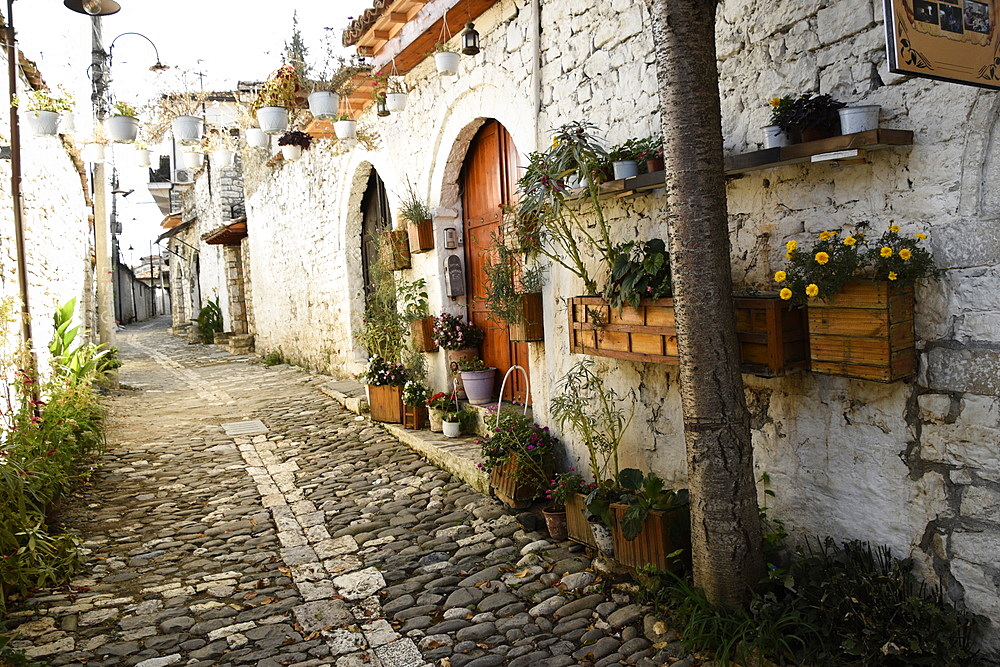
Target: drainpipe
<point>536,67</point>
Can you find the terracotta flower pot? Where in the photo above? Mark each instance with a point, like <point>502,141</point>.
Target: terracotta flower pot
<point>555,521</point>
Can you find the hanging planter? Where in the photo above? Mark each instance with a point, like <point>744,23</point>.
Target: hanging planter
<point>272,120</point>
<point>323,104</point>
<point>142,157</point>
<point>121,129</point>
<point>193,159</point>
<point>256,138</point>
<point>395,102</point>
<point>345,128</point>
<point>67,123</point>
<point>291,153</point>
<point>187,130</point>
<point>223,158</point>
<point>451,429</point>
<point>447,62</point>
<point>293,143</point>
<point>93,153</point>
<point>44,123</point>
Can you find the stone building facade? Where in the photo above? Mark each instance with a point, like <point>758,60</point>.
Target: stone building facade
<point>911,464</point>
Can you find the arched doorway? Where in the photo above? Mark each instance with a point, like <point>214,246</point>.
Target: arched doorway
<point>488,180</point>
<point>375,217</point>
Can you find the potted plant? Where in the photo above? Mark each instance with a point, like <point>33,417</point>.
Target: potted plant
<point>477,378</point>
<point>45,109</point>
<point>860,118</point>
<point>414,405</point>
<point>192,158</point>
<point>345,127</point>
<point>437,405</point>
<point>275,98</point>
<point>385,380</point>
<point>398,247</point>
<point>446,59</point>
<point>651,524</point>
<point>561,488</point>
<point>571,488</point>
<point>123,126</point>
<point>624,159</point>
<point>419,225</point>
<point>293,143</point>
<point>395,94</point>
<point>810,117</point>
<point>651,152</point>
<point>334,82</point>
<point>413,299</point>
<point>514,293</point>
<point>222,147</point>
<point>859,294</point>
<point>460,338</point>
<point>256,138</point>
<point>451,422</point>
<point>142,154</point>
<point>777,134</point>
<point>517,454</point>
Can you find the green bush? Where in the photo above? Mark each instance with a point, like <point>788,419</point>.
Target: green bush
<point>209,321</point>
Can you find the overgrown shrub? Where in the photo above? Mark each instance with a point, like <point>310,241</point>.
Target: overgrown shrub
<point>209,321</point>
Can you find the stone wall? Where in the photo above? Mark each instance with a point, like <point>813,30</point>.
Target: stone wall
<point>58,237</point>
<point>911,464</point>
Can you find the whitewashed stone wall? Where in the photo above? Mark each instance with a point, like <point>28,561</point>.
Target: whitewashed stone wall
<point>914,465</point>
<point>58,237</point>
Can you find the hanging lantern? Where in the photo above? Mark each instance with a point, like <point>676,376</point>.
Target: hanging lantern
<point>381,107</point>
<point>470,40</point>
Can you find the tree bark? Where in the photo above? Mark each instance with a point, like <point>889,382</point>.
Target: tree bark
<point>726,533</point>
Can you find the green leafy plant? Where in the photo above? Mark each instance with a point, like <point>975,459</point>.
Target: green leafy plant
<point>296,138</point>
<point>514,438</point>
<point>566,484</point>
<point>279,90</point>
<point>209,320</point>
<point>384,327</point>
<point>274,358</point>
<point>78,363</point>
<point>412,297</point>
<point>457,416</point>
<point>125,109</point>
<point>807,112</point>
<point>414,393</point>
<point>442,47</point>
<point>412,208</point>
<point>645,494</point>
<point>628,150</point>
<point>473,365</point>
<point>639,272</point>
<point>507,280</point>
<point>43,100</point>
<point>442,401</point>
<point>781,108</point>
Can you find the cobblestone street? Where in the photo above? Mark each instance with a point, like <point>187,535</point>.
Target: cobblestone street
<point>244,517</point>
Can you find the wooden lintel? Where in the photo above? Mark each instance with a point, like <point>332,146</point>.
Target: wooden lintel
<point>398,17</point>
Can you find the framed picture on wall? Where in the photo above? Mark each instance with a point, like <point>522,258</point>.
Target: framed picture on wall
<point>951,40</point>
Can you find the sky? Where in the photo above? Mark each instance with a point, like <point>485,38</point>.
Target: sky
<point>225,40</point>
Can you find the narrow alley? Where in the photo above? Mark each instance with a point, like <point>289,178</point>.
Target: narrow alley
<point>241,516</point>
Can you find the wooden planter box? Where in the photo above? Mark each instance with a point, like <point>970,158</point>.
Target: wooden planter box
<point>421,236</point>
<point>771,333</point>
<point>422,331</point>
<point>414,416</point>
<point>531,327</point>
<point>864,332</point>
<point>385,403</point>
<point>515,492</point>
<point>399,250</point>
<point>576,521</point>
<point>662,533</point>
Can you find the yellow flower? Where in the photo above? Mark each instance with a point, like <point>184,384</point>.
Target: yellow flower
<point>893,228</point>
<point>791,246</point>
<point>822,258</point>
<point>886,251</point>
<point>788,255</point>
<point>555,141</point>
<point>850,240</point>
<point>775,101</point>
<point>826,236</point>
<point>892,275</point>
<point>921,237</point>
<point>780,276</point>
<point>812,289</point>
<point>904,254</point>
<point>785,294</point>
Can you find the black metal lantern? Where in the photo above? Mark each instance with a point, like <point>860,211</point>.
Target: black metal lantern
<point>93,7</point>
<point>381,107</point>
<point>470,39</point>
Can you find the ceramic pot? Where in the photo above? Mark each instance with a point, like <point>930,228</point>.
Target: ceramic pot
<point>223,158</point>
<point>256,138</point>
<point>395,102</point>
<point>67,123</point>
<point>654,164</point>
<point>625,169</point>
<point>479,385</point>
<point>323,104</point>
<point>602,537</point>
<point>187,130</point>
<point>446,62</point>
<point>859,119</point>
<point>555,521</point>
<point>291,153</point>
<point>273,120</point>
<point>192,159</point>
<point>346,129</point>
<point>121,129</point>
<point>44,123</point>
<point>142,157</point>
<point>775,137</point>
<point>452,429</point>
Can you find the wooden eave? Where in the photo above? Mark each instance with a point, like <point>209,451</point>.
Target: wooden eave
<point>171,221</point>
<point>229,234</point>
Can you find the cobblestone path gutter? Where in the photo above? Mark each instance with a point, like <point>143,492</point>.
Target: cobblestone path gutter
<point>243,517</point>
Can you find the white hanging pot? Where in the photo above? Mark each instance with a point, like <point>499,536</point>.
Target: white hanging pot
<point>142,157</point>
<point>395,102</point>
<point>187,130</point>
<point>346,129</point>
<point>323,104</point>
<point>859,119</point>
<point>291,153</point>
<point>446,62</point>
<point>256,138</point>
<point>121,129</point>
<point>93,153</point>
<point>44,123</point>
<point>192,159</point>
<point>67,124</point>
<point>223,158</point>
<point>272,120</point>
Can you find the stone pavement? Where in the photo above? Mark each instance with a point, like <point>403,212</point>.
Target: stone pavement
<point>244,517</point>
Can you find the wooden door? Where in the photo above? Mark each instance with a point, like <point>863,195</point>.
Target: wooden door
<point>489,179</point>
<point>375,217</point>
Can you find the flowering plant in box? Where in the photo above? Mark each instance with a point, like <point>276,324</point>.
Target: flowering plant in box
<point>514,437</point>
<point>383,372</point>
<point>414,393</point>
<point>442,401</point>
<point>564,485</point>
<point>453,333</point>
<point>900,259</point>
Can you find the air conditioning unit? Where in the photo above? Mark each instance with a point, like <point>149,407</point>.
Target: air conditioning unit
<point>183,176</point>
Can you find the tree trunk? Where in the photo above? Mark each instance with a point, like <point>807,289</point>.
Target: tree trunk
<point>726,533</point>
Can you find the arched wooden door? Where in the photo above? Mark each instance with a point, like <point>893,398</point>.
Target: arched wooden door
<point>375,217</point>
<point>489,179</point>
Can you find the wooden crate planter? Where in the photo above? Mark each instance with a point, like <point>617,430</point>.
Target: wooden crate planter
<point>399,249</point>
<point>864,332</point>
<point>422,331</point>
<point>576,521</point>
<point>771,333</point>
<point>662,533</point>
<point>531,327</point>
<point>385,403</point>
<point>421,236</point>
<point>414,417</point>
<point>514,491</point>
